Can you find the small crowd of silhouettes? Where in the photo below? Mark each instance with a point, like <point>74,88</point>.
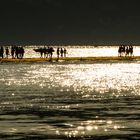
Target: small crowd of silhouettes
<point>125,50</point>
<point>48,52</point>
<point>16,52</point>
<point>61,52</point>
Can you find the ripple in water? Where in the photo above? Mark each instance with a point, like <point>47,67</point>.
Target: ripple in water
<point>67,100</point>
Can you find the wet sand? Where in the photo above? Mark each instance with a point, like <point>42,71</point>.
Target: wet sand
<point>107,58</point>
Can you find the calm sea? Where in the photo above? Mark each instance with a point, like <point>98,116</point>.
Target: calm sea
<point>71,100</point>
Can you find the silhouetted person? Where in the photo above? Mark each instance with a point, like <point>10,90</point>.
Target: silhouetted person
<point>7,52</point>
<point>51,51</point>
<point>48,52</point>
<point>58,52</point>
<point>61,52</point>
<point>17,52</point>
<point>21,52</point>
<point>131,50</point>
<point>127,51</point>
<point>121,50</point>
<point>12,51</point>
<point>45,51</point>
<point>41,52</point>
<point>65,52</point>
<point>1,51</point>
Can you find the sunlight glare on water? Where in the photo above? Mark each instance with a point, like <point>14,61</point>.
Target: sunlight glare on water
<point>100,78</point>
<point>82,99</point>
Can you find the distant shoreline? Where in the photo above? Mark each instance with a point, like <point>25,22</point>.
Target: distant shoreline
<point>104,58</point>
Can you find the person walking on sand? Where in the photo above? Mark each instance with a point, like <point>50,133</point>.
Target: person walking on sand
<point>17,52</point>
<point>22,52</point>
<point>61,52</point>
<point>51,52</point>
<point>7,52</point>
<point>1,52</point>
<point>58,52</point>
<point>12,51</point>
<point>65,52</point>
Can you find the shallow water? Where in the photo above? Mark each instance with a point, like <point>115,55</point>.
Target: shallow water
<point>66,100</point>
<point>78,51</point>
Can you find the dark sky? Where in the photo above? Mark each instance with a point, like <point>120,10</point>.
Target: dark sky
<point>69,22</point>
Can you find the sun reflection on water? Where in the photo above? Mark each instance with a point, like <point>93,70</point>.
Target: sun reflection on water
<point>75,99</point>
<point>84,79</point>
<point>91,127</point>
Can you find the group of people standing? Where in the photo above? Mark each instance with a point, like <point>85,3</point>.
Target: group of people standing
<point>48,52</point>
<point>125,50</point>
<point>16,52</point>
<point>61,52</point>
<point>4,52</point>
